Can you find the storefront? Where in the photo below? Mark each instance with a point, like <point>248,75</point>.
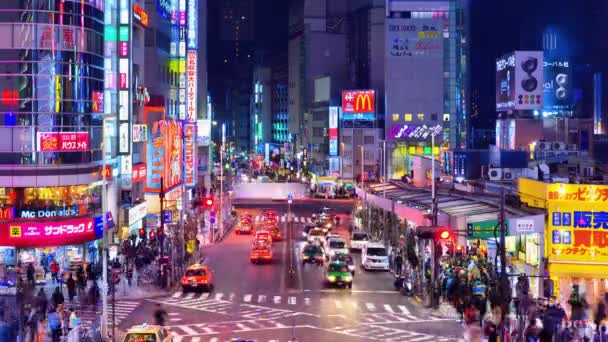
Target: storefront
<point>576,237</point>
<point>64,201</point>
<point>524,246</point>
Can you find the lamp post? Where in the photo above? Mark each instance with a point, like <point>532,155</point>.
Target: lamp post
<point>104,252</point>
<point>221,211</point>
<point>341,160</point>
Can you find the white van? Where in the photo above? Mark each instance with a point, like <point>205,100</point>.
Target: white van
<point>358,240</point>
<point>374,256</point>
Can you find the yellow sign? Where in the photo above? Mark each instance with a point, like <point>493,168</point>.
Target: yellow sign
<point>15,231</point>
<point>578,223</point>
<point>190,246</point>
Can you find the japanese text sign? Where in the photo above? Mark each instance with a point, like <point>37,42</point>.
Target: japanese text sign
<point>189,155</point>
<point>35,234</point>
<point>63,141</point>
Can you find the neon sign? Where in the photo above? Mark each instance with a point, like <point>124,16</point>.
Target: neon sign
<point>189,155</point>
<point>191,89</point>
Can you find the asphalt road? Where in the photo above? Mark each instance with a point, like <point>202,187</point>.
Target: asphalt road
<point>284,300</point>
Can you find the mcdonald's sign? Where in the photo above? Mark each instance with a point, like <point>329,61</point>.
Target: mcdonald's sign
<point>358,101</point>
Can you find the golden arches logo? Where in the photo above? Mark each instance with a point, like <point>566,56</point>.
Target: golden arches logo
<point>361,101</point>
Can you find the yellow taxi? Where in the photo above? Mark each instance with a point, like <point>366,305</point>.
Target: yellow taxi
<point>260,253</point>
<point>148,333</point>
<point>263,235</point>
<point>197,276</point>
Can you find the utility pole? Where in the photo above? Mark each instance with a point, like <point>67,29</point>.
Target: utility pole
<point>434,209</point>
<point>161,229</point>
<point>504,285</point>
<point>104,253</point>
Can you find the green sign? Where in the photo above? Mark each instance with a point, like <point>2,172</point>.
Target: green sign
<point>484,229</point>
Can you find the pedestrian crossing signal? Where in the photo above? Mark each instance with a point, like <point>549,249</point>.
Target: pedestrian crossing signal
<point>208,202</point>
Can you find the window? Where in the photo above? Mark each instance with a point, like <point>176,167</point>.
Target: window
<point>420,116</point>
<point>318,131</point>
<point>408,117</point>
<point>395,117</point>
<point>368,140</point>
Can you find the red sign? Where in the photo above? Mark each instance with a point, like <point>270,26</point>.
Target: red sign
<point>123,49</point>
<point>10,97</point>
<point>97,102</point>
<point>141,15</point>
<point>189,151</point>
<point>105,172</point>
<point>63,141</point>
<point>123,80</point>
<point>43,234</point>
<point>7,213</point>
<point>139,173</point>
<point>358,101</point>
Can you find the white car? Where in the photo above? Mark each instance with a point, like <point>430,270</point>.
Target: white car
<point>330,236</point>
<point>336,246</point>
<point>315,234</point>
<point>358,240</point>
<point>374,257</point>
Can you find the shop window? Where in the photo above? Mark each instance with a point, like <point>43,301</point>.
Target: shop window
<point>420,116</point>
<point>395,117</point>
<point>408,117</point>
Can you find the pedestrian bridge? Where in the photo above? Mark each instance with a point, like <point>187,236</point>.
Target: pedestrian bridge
<point>275,191</point>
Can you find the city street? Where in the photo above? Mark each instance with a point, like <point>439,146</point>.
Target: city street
<point>285,299</point>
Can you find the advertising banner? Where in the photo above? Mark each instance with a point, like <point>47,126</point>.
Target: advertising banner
<point>413,75</point>
<point>190,155</point>
<point>505,82</point>
<point>557,85</point>
<point>333,131</point>
<point>191,89</point>
<point>204,132</point>
<point>140,132</point>
<point>63,141</point>
<point>139,173</point>
<point>528,79</point>
<point>44,234</point>
<point>97,101</point>
<point>164,155</point>
<point>358,101</point>
<point>578,222</point>
<point>484,229</point>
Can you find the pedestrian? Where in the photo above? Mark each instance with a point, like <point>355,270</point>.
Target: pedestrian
<point>533,330</point>
<point>42,302</point>
<point>73,320</point>
<point>71,285</point>
<point>54,270</point>
<point>160,315</point>
<point>54,323</point>
<point>398,263</point>
<point>31,273</point>
<point>600,315</point>
<point>81,279</point>
<point>57,298</point>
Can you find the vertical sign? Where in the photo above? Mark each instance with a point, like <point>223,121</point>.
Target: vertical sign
<point>333,131</point>
<point>189,155</point>
<point>181,23</point>
<point>191,91</point>
<point>124,80</point>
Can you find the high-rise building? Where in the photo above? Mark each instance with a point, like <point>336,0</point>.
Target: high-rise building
<point>426,79</point>
<point>53,112</point>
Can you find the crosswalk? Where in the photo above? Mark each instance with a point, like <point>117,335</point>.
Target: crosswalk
<point>262,304</point>
<point>89,313</point>
<point>205,331</point>
<point>283,218</point>
<point>384,333</point>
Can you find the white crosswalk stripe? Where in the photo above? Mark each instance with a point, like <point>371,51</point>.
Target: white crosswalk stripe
<point>247,298</point>
<point>123,309</point>
<point>388,308</point>
<point>295,219</point>
<point>292,301</point>
<point>370,306</point>
<point>283,218</point>
<point>338,304</point>
<point>218,296</point>
<point>277,299</point>
<point>307,301</point>
<point>261,298</point>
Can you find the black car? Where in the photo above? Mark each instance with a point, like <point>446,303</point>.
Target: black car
<point>313,254</point>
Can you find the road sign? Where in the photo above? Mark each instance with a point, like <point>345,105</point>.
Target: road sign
<point>168,215</point>
<point>212,217</point>
<point>289,198</point>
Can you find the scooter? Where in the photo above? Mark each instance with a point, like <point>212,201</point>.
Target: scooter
<point>403,284</point>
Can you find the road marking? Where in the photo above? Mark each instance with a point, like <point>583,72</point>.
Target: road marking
<point>247,298</point>
<point>307,301</point>
<point>218,296</point>
<point>338,304</point>
<point>195,339</point>
<point>232,295</point>
<point>214,339</point>
<point>204,295</point>
<point>404,309</point>
<point>355,305</point>
<point>261,298</point>
<point>177,294</point>
<point>176,319</point>
<point>388,308</point>
<point>292,301</point>
<point>189,295</point>
<point>188,330</point>
<point>243,327</point>
<point>295,219</point>
<point>370,306</point>
<point>173,313</point>
<point>277,299</point>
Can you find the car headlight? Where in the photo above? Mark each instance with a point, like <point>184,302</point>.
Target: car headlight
<point>347,279</point>
<point>331,278</point>
<point>332,253</point>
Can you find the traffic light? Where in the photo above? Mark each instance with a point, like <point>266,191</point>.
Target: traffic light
<point>208,202</point>
<point>444,234</point>
<point>142,233</point>
<point>440,234</point>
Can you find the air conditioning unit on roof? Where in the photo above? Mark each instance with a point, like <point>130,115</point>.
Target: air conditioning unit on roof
<point>495,174</point>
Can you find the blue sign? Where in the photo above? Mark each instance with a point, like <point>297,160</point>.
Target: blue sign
<point>98,220</point>
<point>168,216</point>
<point>290,197</point>
<point>164,8</point>
<point>192,23</point>
<point>557,219</point>
<point>556,237</point>
<point>567,219</point>
<point>359,116</point>
<point>469,229</point>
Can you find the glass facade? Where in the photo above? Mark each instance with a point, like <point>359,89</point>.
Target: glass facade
<point>51,78</point>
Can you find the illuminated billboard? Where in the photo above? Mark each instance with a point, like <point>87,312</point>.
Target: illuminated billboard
<point>333,131</point>
<point>190,155</point>
<point>164,155</point>
<point>358,101</point>
<point>557,87</point>
<point>519,81</point>
<point>191,90</point>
